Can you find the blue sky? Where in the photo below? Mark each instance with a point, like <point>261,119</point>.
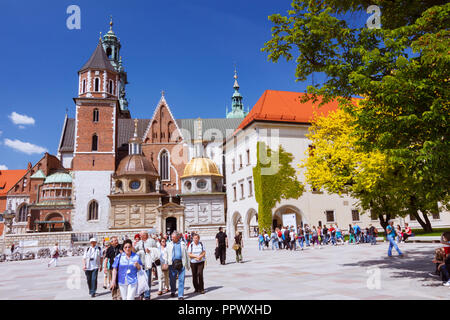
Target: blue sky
<point>186,48</point>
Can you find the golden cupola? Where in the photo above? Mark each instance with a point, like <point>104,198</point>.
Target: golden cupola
<point>201,166</point>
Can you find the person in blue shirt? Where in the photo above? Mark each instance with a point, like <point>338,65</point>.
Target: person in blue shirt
<point>126,266</point>
<point>390,235</point>
<point>261,242</point>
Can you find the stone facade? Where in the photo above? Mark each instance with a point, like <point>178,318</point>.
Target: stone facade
<point>133,212</point>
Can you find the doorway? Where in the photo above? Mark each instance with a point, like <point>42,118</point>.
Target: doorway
<point>171,225</point>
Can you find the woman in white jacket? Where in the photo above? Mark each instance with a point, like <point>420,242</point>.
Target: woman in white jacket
<point>163,268</point>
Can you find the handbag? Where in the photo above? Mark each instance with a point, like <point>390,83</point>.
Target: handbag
<point>142,282</point>
<point>177,265</point>
<point>236,247</point>
<point>165,267</point>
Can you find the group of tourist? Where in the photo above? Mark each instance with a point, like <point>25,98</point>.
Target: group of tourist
<point>288,237</point>
<point>132,265</point>
<point>442,260</point>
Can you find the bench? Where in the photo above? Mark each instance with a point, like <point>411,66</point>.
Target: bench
<point>424,239</point>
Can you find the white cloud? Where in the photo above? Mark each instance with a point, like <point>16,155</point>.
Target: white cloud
<point>3,167</point>
<point>24,147</point>
<point>21,119</point>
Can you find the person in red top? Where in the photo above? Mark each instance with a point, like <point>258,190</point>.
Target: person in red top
<point>407,233</point>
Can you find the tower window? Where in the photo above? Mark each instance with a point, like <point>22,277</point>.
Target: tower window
<point>111,87</point>
<point>95,115</point>
<point>93,210</point>
<point>97,84</point>
<point>164,165</point>
<point>84,86</point>
<point>94,142</point>
<point>109,52</point>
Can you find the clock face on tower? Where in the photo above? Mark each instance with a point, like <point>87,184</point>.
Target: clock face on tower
<point>135,185</point>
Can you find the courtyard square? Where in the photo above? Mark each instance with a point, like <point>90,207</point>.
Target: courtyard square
<point>336,273</point>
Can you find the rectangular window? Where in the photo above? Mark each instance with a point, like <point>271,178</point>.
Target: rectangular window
<point>330,215</point>
<point>234,192</point>
<point>233,166</point>
<point>412,218</point>
<point>248,157</point>
<point>250,188</point>
<point>240,161</point>
<point>242,191</point>
<point>436,216</point>
<point>373,216</point>
<point>355,215</point>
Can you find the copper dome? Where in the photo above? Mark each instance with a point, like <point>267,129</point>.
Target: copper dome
<point>136,164</point>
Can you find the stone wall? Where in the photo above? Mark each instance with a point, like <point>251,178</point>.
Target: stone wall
<point>48,239</point>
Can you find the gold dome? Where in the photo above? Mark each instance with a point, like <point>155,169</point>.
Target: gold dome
<point>201,167</point>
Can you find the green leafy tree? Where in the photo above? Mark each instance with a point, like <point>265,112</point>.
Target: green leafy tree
<point>402,71</point>
<point>274,179</point>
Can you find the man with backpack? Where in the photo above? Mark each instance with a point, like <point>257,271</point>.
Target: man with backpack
<point>92,262</point>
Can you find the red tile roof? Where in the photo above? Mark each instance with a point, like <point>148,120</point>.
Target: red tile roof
<point>285,106</point>
<point>8,179</point>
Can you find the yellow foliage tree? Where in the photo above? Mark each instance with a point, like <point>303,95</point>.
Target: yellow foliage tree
<point>336,164</point>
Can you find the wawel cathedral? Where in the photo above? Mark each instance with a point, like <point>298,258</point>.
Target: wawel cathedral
<point>114,172</point>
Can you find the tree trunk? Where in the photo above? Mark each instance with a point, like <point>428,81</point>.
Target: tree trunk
<point>414,211</point>
<point>384,222</point>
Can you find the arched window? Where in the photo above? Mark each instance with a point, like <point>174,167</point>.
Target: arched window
<point>94,142</point>
<point>97,84</point>
<point>164,165</point>
<point>23,212</point>
<point>111,87</point>
<point>95,115</point>
<point>93,210</point>
<point>109,52</point>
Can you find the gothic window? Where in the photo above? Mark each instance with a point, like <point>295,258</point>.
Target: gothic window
<point>95,115</point>
<point>93,210</point>
<point>97,84</point>
<point>164,165</point>
<point>94,142</point>
<point>23,211</point>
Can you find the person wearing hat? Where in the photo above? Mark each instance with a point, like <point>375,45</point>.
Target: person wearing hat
<point>92,262</point>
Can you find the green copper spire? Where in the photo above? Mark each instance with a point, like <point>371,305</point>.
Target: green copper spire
<point>237,107</point>
<point>111,45</point>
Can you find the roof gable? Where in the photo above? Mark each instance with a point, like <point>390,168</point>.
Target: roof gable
<point>162,103</point>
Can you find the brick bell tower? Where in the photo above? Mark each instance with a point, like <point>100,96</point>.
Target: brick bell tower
<point>98,108</point>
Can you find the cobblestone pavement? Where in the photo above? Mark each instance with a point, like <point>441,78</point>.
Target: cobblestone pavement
<point>343,272</point>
